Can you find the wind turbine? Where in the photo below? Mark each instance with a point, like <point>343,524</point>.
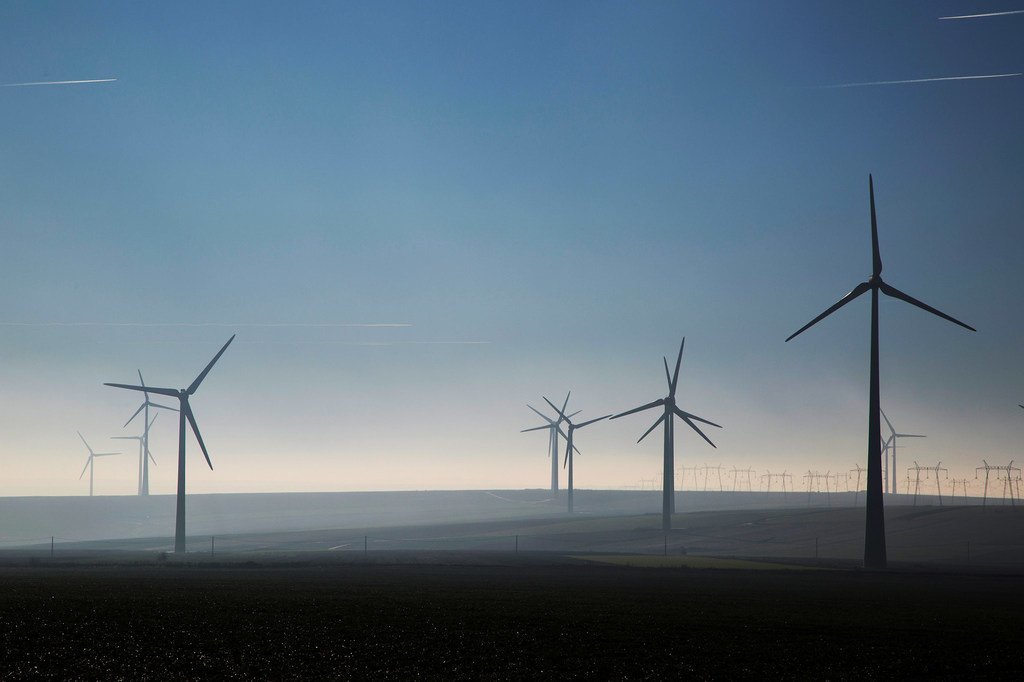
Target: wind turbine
<point>667,418</point>
<point>553,427</point>
<point>569,447</point>
<point>92,458</point>
<point>144,453</point>
<point>874,532</point>
<point>184,412</point>
<point>889,446</point>
<point>144,407</point>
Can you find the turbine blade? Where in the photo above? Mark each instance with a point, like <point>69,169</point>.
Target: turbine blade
<point>152,420</point>
<point>687,415</point>
<point>566,460</point>
<point>875,255</point>
<point>591,421</point>
<point>694,427</point>
<point>890,290</point>
<point>195,429</point>
<point>908,435</point>
<point>87,460</point>
<point>104,454</point>
<point>561,413</point>
<point>202,375</point>
<point>566,403</point>
<point>562,433</point>
<point>668,375</point>
<point>535,428</point>
<point>162,391</point>
<point>143,405</point>
<point>889,423</point>
<point>165,407</point>
<point>541,415</point>
<point>655,424</point>
<point>142,383</point>
<point>656,403</point>
<point>125,437</point>
<point>679,360</point>
<point>83,440</point>
<point>570,416</point>
<point>857,291</point>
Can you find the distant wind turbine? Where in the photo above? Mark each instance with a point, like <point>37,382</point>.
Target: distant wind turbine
<point>874,535</point>
<point>554,431</point>
<point>667,418</point>
<point>184,412</point>
<point>144,407</point>
<point>889,446</point>
<point>569,447</point>
<point>144,454</point>
<point>90,460</point>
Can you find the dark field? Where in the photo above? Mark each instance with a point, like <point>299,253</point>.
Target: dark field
<point>459,615</point>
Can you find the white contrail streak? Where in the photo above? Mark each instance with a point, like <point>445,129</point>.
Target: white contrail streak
<point>25,85</point>
<point>922,80</point>
<point>205,324</point>
<point>987,14</point>
<point>367,344</point>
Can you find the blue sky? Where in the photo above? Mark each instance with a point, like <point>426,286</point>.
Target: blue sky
<point>576,184</point>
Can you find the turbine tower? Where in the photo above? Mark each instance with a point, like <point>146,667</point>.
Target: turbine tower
<point>144,454</point>
<point>874,532</point>
<point>144,407</point>
<point>184,412</point>
<point>554,431</point>
<point>92,458</point>
<point>890,447</point>
<point>667,418</point>
<point>569,447</point>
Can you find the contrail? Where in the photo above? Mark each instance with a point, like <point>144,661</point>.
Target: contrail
<point>987,14</point>
<point>206,324</point>
<point>367,344</point>
<point>922,80</point>
<point>25,85</point>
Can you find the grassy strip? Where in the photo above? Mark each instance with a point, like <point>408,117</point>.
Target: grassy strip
<point>654,561</point>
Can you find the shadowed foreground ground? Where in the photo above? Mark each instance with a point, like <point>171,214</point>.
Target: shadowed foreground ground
<point>468,616</point>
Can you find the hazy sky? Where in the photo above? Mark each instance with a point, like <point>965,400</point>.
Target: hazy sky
<point>577,185</point>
